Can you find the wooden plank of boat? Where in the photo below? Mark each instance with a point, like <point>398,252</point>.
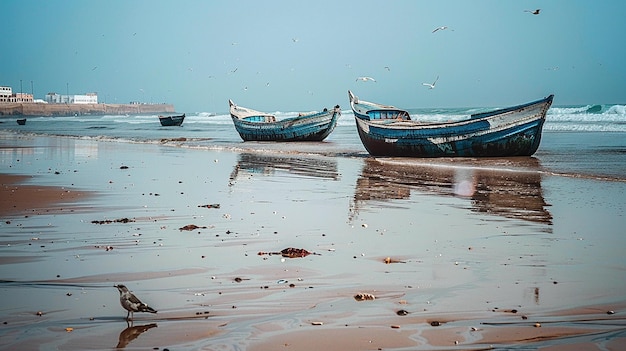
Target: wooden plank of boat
<point>253,125</point>
<point>389,131</point>
<point>169,121</point>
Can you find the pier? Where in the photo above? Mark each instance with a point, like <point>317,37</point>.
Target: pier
<point>43,109</point>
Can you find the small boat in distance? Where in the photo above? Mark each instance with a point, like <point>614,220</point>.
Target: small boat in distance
<point>169,121</point>
<point>21,121</point>
<point>260,126</point>
<point>389,131</point>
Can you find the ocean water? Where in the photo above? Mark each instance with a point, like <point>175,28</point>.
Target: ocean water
<point>578,141</point>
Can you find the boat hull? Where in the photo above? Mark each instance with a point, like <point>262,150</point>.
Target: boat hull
<point>312,127</point>
<point>171,121</point>
<point>514,131</point>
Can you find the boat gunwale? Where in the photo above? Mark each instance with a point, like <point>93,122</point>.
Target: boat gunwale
<point>412,124</point>
<point>281,121</point>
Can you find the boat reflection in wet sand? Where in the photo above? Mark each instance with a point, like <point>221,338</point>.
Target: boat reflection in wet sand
<point>508,187</point>
<point>257,163</point>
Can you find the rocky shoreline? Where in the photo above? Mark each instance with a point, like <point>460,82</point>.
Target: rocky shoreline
<point>41,109</point>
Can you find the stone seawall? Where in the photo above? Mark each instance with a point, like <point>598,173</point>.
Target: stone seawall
<point>39,109</point>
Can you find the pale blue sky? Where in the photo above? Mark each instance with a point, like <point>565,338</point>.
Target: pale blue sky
<point>305,55</point>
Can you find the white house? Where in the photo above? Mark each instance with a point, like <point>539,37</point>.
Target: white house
<point>5,94</point>
<point>89,98</point>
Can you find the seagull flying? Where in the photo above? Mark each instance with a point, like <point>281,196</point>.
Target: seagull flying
<point>431,86</point>
<point>534,12</point>
<point>365,79</point>
<point>131,303</point>
<point>440,28</point>
<point>387,68</point>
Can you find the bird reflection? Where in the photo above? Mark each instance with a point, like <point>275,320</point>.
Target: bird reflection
<point>131,333</point>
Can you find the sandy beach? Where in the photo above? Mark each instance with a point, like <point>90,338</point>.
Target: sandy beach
<point>400,255</point>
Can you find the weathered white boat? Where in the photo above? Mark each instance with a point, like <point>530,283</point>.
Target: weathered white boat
<point>260,126</point>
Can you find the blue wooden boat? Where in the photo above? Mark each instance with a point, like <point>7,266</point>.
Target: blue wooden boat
<point>260,126</point>
<point>169,121</point>
<point>389,131</point>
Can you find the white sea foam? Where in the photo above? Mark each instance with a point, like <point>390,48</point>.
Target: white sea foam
<point>610,118</point>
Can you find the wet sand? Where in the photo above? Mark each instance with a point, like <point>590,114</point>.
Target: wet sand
<point>470,254</point>
<point>17,198</point>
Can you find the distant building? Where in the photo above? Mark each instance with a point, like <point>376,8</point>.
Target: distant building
<point>21,97</point>
<point>5,94</point>
<point>54,98</point>
<point>89,98</point>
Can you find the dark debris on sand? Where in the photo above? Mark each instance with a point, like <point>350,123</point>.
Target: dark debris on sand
<point>210,206</point>
<point>190,227</point>
<point>109,221</point>
<point>290,252</point>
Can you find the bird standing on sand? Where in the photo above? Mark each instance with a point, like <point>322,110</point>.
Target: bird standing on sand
<point>431,86</point>
<point>534,12</point>
<point>131,303</point>
<point>365,79</point>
